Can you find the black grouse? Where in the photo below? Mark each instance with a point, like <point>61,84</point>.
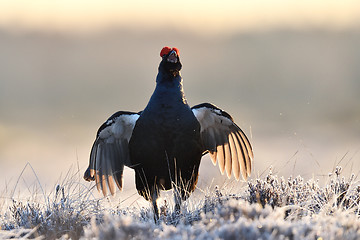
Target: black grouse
<point>164,143</point>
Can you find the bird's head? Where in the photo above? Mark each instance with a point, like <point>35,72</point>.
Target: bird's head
<point>170,63</point>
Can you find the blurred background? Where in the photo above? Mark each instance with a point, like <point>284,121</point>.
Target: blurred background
<point>288,72</point>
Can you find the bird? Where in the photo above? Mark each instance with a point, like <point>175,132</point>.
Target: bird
<point>165,142</point>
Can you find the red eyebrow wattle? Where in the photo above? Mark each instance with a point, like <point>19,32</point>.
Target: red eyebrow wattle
<point>167,49</point>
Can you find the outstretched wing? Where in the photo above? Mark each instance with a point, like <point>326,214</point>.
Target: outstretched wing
<point>110,151</point>
<point>224,140</point>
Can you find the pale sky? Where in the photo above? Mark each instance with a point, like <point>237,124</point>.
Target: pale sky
<point>209,15</point>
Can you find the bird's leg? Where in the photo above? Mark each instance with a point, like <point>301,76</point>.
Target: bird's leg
<point>154,197</point>
<point>177,199</point>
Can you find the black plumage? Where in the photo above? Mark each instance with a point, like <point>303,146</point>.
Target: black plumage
<point>164,143</point>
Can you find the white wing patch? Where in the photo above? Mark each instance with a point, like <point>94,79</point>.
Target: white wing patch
<point>224,140</point>
<point>208,117</point>
<point>121,127</point>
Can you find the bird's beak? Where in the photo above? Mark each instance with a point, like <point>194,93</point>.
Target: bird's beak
<point>173,58</point>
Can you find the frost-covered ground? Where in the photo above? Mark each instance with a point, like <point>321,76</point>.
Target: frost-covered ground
<point>268,208</point>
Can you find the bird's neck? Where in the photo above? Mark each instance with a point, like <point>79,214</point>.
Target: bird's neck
<point>169,89</point>
<point>168,77</point>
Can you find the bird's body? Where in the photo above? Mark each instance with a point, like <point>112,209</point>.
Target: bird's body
<point>164,143</point>
<point>165,146</point>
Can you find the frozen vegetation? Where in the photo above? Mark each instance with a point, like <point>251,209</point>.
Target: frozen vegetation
<point>268,208</point>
